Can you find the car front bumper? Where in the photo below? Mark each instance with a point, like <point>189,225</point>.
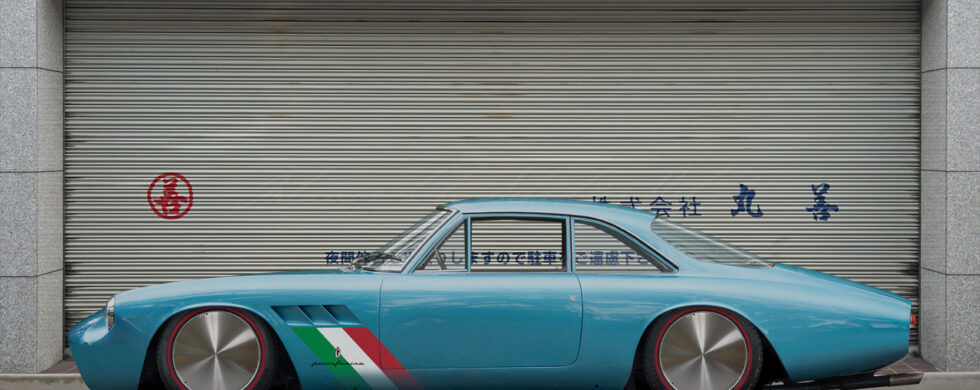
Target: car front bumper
<point>107,358</point>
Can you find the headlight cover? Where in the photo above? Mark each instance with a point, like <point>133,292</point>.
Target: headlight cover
<point>110,312</point>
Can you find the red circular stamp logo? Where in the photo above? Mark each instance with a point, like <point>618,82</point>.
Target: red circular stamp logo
<point>170,195</point>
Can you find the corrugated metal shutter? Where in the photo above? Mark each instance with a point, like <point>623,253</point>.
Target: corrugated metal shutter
<point>306,127</point>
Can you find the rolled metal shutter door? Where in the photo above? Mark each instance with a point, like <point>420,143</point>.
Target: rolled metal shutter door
<point>311,129</point>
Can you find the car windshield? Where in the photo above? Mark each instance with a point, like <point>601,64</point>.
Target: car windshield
<point>703,247</point>
<point>391,257</point>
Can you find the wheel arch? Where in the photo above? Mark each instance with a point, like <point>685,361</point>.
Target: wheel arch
<point>772,365</point>
<point>150,377</point>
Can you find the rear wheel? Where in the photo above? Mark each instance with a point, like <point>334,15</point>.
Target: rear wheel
<point>216,348</point>
<point>702,348</point>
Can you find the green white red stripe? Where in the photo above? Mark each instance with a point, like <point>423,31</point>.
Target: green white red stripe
<point>362,363</point>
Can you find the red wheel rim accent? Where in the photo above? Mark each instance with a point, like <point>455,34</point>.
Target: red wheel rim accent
<point>745,335</point>
<point>173,335</point>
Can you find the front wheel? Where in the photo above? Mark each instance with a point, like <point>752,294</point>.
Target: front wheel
<point>702,348</point>
<point>216,348</point>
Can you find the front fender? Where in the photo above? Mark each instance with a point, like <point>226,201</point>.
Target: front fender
<point>113,358</point>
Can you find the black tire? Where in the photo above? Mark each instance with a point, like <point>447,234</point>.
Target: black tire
<point>652,341</point>
<point>268,361</point>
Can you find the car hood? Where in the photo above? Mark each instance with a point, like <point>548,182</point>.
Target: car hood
<point>243,286</point>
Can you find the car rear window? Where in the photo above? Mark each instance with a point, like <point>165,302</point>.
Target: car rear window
<point>601,248</point>
<point>704,247</point>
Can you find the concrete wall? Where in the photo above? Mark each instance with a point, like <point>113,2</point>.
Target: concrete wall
<point>950,233</point>
<point>31,189</point>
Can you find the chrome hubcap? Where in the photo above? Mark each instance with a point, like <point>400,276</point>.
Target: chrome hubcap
<point>703,350</point>
<point>216,350</point>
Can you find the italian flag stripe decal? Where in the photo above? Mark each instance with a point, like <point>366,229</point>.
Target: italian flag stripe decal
<point>361,358</point>
<point>325,351</point>
<point>365,367</point>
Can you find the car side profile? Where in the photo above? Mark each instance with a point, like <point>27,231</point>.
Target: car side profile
<point>508,293</point>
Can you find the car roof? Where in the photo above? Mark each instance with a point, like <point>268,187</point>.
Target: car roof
<point>602,211</point>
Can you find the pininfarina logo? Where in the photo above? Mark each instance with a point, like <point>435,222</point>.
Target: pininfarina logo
<point>356,358</point>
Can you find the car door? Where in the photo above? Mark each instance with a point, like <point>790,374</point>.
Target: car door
<point>511,303</point>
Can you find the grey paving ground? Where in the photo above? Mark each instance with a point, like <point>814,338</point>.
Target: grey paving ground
<point>931,381</point>
<point>64,376</point>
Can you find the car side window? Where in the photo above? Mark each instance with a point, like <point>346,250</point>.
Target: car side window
<point>517,245</point>
<point>450,255</point>
<point>600,248</point>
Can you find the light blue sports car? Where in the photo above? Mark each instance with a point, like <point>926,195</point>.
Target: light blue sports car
<point>508,294</point>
